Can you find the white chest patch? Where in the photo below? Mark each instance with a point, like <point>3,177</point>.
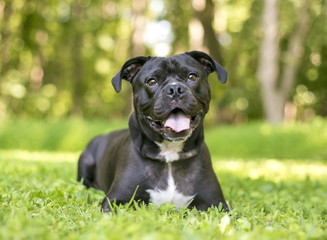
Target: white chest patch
<point>170,194</point>
<point>170,150</point>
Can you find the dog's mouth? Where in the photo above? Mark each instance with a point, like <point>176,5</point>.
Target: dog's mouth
<point>177,126</point>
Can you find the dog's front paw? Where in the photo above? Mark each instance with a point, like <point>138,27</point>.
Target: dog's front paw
<point>107,206</point>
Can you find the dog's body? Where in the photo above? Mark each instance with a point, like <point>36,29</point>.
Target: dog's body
<point>162,154</point>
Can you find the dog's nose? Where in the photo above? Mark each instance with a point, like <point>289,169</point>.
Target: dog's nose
<point>175,90</point>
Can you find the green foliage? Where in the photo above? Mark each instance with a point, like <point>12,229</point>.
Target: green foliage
<point>57,57</point>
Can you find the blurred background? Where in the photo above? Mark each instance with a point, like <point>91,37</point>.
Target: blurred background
<point>57,57</point>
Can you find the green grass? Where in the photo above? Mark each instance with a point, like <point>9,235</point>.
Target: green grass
<point>274,179</point>
<point>52,135</point>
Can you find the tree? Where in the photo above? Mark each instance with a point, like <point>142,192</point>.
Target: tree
<point>205,14</point>
<point>57,57</point>
<point>139,19</point>
<point>275,88</point>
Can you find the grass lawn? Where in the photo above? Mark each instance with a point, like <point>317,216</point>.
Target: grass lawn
<point>273,178</point>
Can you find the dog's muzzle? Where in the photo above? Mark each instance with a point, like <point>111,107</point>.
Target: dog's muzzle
<point>177,114</point>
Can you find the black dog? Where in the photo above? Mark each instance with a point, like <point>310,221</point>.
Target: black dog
<point>162,154</point>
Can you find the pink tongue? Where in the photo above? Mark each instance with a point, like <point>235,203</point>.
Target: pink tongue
<point>177,122</point>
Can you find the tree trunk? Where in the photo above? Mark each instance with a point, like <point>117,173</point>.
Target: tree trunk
<point>274,95</point>
<point>137,47</point>
<point>206,17</point>
<point>77,64</point>
<point>5,36</point>
<point>295,50</point>
<point>267,71</point>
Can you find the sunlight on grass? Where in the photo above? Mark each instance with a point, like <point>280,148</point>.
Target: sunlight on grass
<point>270,199</point>
<point>273,169</point>
<point>269,169</point>
<point>39,156</point>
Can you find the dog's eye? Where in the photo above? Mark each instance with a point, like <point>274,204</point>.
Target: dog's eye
<point>151,82</point>
<point>192,77</point>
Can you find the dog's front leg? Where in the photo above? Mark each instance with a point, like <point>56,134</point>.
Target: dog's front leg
<point>108,204</point>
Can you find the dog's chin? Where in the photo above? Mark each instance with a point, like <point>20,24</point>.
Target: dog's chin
<point>170,134</point>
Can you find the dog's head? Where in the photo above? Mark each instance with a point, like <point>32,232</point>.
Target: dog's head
<point>171,95</point>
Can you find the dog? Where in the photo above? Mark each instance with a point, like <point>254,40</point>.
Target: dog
<point>162,157</point>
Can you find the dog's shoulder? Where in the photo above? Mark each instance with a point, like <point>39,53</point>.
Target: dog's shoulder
<point>120,133</point>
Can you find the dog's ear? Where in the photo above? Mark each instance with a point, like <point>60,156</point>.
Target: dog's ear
<point>209,65</point>
<point>128,71</point>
